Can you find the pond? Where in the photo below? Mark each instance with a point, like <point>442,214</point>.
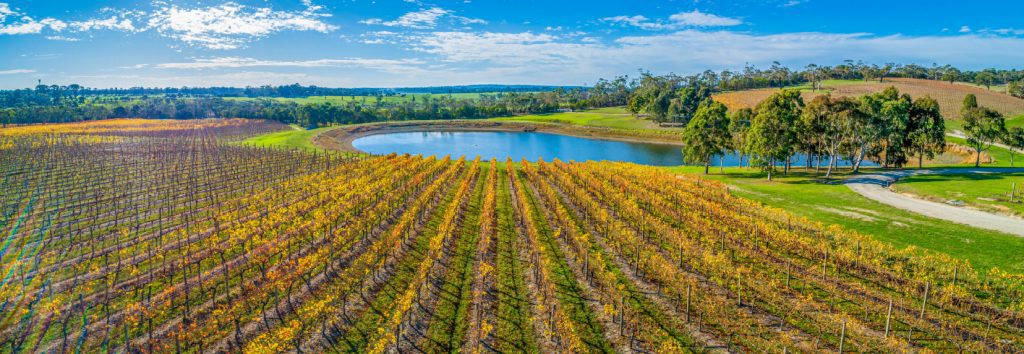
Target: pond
<point>529,145</point>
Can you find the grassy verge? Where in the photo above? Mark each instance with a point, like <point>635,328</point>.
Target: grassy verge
<point>989,192</point>
<point>297,138</point>
<point>800,194</point>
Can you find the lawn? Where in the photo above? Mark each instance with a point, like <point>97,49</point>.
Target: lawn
<point>612,117</point>
<point>989,192</point>
<point>837,204</point>
<point>296,138</point>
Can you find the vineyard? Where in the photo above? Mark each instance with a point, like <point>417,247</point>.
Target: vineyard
<point>169,236</point>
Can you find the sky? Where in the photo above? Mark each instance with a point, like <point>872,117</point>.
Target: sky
<point>393,43</point>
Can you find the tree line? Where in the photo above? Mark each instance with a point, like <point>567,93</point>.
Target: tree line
<point>290,112</point>
<point>669,98</point>
<point>674,99</point>
<point>886,127</point>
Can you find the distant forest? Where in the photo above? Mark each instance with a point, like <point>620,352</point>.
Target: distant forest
<point>665,98</point>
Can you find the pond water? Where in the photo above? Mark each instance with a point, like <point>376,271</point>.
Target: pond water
<point>528,145</point>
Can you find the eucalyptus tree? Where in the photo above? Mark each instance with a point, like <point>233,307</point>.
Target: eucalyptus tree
<point>1014,138</point>
<point>927,129</point>
<point>951,74</point>
<point>1016,88</point>
<point>707,134</point>
<point>983,127</point>
<point>739,126</point>
<point>892,110</point>
<point>836,125</point>
<point>771,137</point>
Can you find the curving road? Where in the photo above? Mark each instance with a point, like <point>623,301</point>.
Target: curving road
<point>875,187</point>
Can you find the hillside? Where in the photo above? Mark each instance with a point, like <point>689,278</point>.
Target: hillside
<point>949,95</point>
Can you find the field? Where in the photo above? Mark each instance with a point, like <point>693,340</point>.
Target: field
<point>990,192</point>
<point>169,236</point>
<point>612,117</point>
<point>295,138</point>
<point>341,100</point>
<point>950,96</point>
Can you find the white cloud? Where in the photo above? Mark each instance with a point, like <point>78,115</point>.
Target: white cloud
<point>253,78</point>
<point>387,65</point>
<point>28,25</point>
<point>63,39</point>
<point>635,21</point>
<point>231,25</point>
<point>964,29</point>
<point>226,26</point>
<point>506,48</point>
<point>563,60</point>
<point>110,23</point>
<point>5,10</point>
<point>423,19</point>
<point>15,71</point>
<point>1009,31</point>
<point>693,18</point>
<point>700,19</point>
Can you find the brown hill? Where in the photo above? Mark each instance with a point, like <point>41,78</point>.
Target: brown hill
<point>949,95</point>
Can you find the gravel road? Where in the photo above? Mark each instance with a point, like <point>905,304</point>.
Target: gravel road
<point>875,187</point>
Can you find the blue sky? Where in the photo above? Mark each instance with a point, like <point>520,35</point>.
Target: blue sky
<point>386,43</point>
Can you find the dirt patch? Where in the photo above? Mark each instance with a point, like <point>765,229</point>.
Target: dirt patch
<point>966,155</point>
<point>848,213</point>
<point>342,138</point>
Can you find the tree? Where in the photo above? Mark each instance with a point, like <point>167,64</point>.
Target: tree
<point>771,137</point>
<point>689,101</point>
<point>927,130</point>
<point>1016,88</point>
<point>739,125</point>
<point>892,110</point>
<point>884,71</point>
<point>986,78</point>
<point>813,75</point>
<point>707,134</point>
<point>970,102</point>
<point>833,121</point>
<point>983,127</point>
<point>1014,138</point>
<point>653,97</point>
<point>951,74</point>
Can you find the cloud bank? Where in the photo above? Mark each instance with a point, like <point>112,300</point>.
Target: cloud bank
<point>226,26</point>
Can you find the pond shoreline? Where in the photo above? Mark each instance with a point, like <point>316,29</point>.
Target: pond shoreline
<point>342,138</point>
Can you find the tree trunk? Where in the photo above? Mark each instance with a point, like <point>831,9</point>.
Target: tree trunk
<point>831,163</point>
<point>771,166</point>
<point>817,164</point>
<point>707,164</point>
<point>977,156</point>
